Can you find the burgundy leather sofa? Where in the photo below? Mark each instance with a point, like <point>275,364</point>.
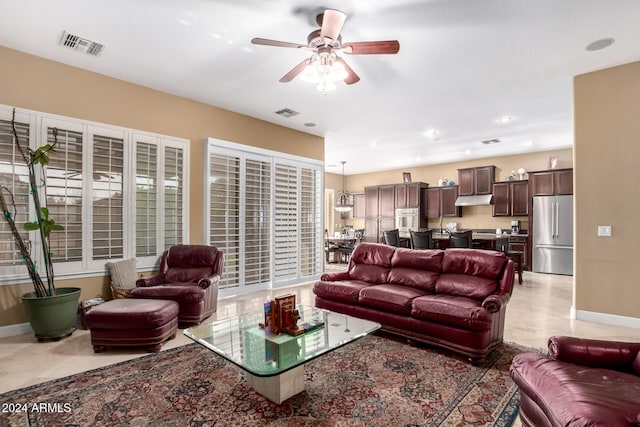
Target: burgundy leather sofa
<point>582,382</point>
<point>189,275</point>
<point>454,299</point>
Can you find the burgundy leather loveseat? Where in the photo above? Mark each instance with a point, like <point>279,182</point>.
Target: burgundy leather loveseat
<point>454,299</point>
<point>189,275</point>
<point>583,382</point>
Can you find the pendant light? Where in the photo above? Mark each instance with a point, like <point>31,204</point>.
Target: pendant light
<point>342,202</point>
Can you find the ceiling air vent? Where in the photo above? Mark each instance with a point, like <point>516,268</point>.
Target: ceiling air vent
<point>490,141</point>
<point>287,112</point>
<point>81,44</point>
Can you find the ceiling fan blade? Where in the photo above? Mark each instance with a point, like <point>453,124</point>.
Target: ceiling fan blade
<point>332,22</point>
<point>352,77</point>
<point>295,71</point>
<point>268,42</point>
<point>371,48</point>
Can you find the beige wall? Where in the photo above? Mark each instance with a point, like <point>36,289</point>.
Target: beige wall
<point>472,216</point>
<point>38,84</point>
<point>606,180</point>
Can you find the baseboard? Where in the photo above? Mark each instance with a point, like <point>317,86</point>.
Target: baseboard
<point>18,329</point>
<point>607,319</point>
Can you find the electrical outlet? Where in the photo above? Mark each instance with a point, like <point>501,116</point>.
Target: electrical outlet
<point>604,230</point>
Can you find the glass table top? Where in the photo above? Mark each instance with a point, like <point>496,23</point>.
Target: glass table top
<point>240,340</point>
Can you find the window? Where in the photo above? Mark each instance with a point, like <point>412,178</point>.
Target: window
<point>117,192</point>
<point>264,211</point>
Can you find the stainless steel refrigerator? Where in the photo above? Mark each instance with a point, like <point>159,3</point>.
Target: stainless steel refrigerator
<point>553,234</point>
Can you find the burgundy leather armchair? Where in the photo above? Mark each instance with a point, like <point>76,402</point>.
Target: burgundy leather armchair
<point>582,382</point>
<point>189,275</point>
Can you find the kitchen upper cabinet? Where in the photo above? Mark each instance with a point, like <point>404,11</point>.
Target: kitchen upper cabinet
<point>511,198</point>
<point>552,182</point>
<point>478,180</point>
<point>520,198</point>
<point>387,201</point>
<point>442,201</point>
<point>409,195</point>
<point>358,210</point>
<point>370,202</point>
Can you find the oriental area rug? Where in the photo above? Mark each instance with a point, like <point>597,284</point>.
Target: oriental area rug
<point>375,381</point>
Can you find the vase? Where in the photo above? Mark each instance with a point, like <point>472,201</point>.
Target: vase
<point>52,317</point>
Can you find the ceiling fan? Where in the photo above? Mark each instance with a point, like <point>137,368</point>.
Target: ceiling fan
<point>324,66</point>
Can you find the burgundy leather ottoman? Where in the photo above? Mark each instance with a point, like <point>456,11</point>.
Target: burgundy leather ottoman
<point>132,322</point>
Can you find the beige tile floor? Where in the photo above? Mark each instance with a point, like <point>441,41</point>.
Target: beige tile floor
<point>538,309</point>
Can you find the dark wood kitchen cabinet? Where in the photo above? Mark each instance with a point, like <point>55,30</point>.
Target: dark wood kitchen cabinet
<point>409,195</point>
<point>379,211</point>
<point>477,180</point>
<point>551,182</point>
<point>358,210</point>
<point>511,198</point>
<point>442,201</point>
<point>520,243</point>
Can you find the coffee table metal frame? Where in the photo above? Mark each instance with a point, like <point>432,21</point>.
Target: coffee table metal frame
<point>274,363</point>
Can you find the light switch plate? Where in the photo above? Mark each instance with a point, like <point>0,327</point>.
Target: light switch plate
<point>604,230</point>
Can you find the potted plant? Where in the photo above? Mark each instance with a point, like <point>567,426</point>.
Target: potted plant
<point>51,311</point>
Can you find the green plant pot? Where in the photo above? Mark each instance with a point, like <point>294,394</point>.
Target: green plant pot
<point>53,317</point>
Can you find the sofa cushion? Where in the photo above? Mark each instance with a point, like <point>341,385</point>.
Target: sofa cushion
<point>465,285</point>
<point>370,262</point>
<point>474,262</point>
<point>452,310</point>
<point>391,298</point>
<point>417,268</point>
<point>636,367</point>
<point>578,395</point>
<point>179,292</point>
<point>346,291</point>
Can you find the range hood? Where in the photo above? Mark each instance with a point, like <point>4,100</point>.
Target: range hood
<point>477,200</point>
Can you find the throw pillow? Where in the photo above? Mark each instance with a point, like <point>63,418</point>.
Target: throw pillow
<point>123,277</point>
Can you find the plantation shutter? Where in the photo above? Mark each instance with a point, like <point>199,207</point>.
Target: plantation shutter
<point>107,197</point>
<point>224,214</point>
<point>310,222</point>
<point>257,222</point>
<point>173,196</point>
<point>146,199</point>
<point>15,178</point>
<point>285,223</point>
<point>64,194</point>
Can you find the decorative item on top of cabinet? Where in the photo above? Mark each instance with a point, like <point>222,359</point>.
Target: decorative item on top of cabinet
<point>511,198</point>
<point>551,183</point>
<point>477,180</point>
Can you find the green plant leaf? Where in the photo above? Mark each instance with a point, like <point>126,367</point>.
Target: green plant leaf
<point>31,226</point>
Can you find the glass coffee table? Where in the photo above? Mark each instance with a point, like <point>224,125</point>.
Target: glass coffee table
<point>275,362</point>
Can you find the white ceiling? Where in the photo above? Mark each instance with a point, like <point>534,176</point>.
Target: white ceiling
<point>462,64</point>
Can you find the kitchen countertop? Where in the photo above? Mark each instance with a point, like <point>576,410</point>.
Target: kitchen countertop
<point>480,235</point>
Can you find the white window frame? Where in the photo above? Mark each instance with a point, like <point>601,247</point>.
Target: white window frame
<point>38,123</point>
<point>216,146</point>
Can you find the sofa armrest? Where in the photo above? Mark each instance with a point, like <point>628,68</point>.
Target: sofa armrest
<point>494,303</point>
<point>614,355</point>
<point>334,276</point>
<point>205,282</point>
<point>145,282</point>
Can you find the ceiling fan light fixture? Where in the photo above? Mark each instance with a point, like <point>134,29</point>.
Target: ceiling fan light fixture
<point>310,74</point>
<point>326,85</point>
<point>338,72</point>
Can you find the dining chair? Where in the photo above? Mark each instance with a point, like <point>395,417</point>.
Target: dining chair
<point>391,237</point>
<point>421,239</point>
<point>329,248</point>
<point>346,249</point>
<point>461,239</point>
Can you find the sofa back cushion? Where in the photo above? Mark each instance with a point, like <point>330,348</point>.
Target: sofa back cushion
<point>636,368</point>
<point>473,273</point>
<point>416,268</point>
<point>370,262</point>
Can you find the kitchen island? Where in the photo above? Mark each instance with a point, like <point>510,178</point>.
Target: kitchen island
<point>480,240</point>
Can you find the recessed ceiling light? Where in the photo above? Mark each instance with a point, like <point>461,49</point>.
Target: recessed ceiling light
<point>600,44</point>
<point>431,133</point>
<point>309,124</point>
<point>490,141</point>
<point>504,119</point>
